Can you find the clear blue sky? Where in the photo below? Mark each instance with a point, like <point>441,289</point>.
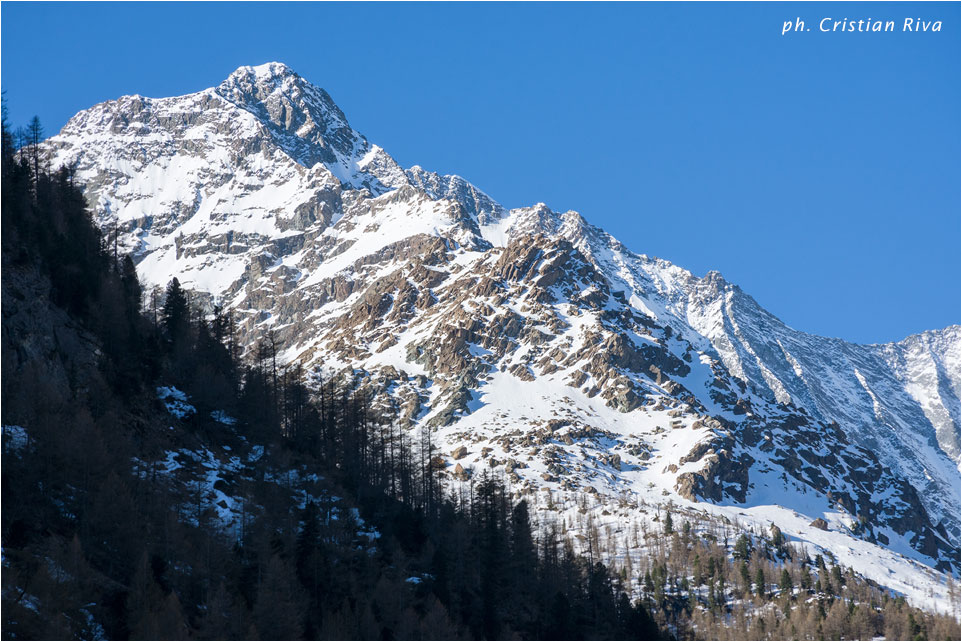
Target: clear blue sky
<point>819,171</point>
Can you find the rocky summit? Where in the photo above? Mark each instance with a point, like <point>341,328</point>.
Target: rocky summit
<point>527,342</point>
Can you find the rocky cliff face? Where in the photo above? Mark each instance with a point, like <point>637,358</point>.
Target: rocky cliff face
<point>524,341</point>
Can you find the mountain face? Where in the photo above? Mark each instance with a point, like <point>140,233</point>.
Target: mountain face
<point>526,341</point>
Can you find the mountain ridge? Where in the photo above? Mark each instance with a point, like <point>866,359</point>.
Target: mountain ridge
<point>300,225</point>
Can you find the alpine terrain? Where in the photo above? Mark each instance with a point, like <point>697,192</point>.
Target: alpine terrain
<point>607,387</point>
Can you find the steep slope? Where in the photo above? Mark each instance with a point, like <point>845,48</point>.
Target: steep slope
<point>527,341</point>
<point>899,400</point>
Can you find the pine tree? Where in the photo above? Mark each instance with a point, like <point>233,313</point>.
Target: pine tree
<point>35,136</point>
<point>746,577</point>
<point>837,576</point>
<point>760,582</point>
<point>785,583</point>
<point>131,285</point>
<point>522,571</point>
<point>175,313</point>
<point>742,550</point>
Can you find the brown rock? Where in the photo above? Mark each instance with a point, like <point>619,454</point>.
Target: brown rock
<point>615,461</point>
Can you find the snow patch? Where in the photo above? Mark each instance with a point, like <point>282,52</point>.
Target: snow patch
<point>175,401</point>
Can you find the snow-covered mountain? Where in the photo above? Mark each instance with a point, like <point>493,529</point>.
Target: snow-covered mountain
<point>527,341</point>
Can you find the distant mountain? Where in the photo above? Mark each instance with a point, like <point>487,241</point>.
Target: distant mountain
<point>526,340</point>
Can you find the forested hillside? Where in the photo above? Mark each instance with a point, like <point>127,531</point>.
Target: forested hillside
<point>161,482</point>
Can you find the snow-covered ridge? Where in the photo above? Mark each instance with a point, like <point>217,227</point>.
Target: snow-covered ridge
<point>476,322</point>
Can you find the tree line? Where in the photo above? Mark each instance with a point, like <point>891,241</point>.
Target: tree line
<point>704,579</point>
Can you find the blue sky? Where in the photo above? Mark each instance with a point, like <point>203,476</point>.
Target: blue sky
<point>819,171</point>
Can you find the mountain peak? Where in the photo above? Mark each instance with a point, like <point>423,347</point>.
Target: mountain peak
<point>276,92</point>
<point>266,70</point>
<point>301,118</point>
<point>267,75</point>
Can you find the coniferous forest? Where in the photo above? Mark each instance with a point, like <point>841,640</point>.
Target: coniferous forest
<point>102,541</point>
